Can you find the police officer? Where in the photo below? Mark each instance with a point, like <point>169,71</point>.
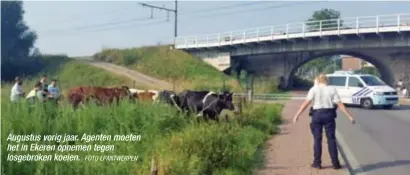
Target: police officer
<point>323,98</point>
<point>311,110</point>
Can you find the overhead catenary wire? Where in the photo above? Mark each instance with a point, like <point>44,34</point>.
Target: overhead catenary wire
<point>223,7</point>
<point>141,19</point>
<point>131,23</point>
<point>256,9</point>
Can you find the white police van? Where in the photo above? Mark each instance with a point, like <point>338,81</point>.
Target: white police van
<point>363,89</point>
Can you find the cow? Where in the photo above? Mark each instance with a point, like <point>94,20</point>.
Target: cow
<point>76,99</point>
<point>133,90</point>
<point>144,96</point>
<point>120,93</point>
<point>207,103</point>
<point>155,96</point>
<point>100,95</point>
<point>154,93</point>
<point>169,97</point>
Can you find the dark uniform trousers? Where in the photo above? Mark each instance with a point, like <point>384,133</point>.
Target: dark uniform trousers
<point>324,118</point>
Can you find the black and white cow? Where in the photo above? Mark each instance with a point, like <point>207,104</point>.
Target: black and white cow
<point>169,97</point>
<point>207,103</point>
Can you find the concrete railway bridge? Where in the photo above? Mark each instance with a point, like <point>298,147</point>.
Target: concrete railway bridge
<point>280,50</point>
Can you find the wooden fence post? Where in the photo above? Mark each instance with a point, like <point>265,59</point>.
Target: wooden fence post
<point>252,88</point>
<point>244,101</point>
<point>240,105</point>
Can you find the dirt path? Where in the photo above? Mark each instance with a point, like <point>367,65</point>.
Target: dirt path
<point>139,78</point>
<point>291,151</point>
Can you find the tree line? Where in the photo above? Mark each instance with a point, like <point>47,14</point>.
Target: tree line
<point>18,55</point>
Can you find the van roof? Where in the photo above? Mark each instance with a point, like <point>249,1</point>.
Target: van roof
<point>343,72</point>
<point>351,73</point>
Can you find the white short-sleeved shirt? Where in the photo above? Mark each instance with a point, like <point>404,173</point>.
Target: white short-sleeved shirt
<point>15,92</point>
<point>323,97</point>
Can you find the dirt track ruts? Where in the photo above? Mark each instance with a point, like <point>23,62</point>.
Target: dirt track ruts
<point>139,78</point>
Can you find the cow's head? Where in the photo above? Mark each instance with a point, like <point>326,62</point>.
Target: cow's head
<point>226,100</point>
<point>124,91</point>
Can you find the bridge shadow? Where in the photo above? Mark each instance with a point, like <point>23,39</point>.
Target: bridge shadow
<point>380,165</point>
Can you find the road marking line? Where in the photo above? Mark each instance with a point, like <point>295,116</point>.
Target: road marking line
<point>349,158</point>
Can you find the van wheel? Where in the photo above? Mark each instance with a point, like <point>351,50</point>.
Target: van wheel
<point>387,106</point>
<point>367,103</point>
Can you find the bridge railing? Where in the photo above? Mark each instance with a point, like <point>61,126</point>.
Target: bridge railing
<point>381,23</point>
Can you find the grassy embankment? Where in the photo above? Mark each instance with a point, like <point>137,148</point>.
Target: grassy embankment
<point>180,144</point>
<point>177,66</point>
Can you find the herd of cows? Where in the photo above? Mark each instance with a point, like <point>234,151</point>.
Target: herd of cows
<point>203,103</point>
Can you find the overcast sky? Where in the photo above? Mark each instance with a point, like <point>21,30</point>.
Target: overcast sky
<point>79,28</point>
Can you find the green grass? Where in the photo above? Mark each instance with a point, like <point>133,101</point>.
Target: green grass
<point>179,144</point>
<point>175,65</point>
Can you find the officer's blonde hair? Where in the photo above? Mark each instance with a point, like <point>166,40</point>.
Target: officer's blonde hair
<point>322,79</point>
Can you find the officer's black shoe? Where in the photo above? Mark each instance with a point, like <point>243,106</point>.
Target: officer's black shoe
<point>316,166</point>
<point>336,167</point>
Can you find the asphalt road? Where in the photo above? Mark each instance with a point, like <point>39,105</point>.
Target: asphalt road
<point>379,142</point>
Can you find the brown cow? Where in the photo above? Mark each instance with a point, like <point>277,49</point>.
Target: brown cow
<point>120,93</point>
<point>146,96</point>
<point>100,95</point>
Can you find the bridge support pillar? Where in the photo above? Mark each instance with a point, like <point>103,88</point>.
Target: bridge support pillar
<point>394,64</point>
<point>219,60</point>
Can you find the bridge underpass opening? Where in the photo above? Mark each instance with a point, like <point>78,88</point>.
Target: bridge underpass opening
<point>301,76</point>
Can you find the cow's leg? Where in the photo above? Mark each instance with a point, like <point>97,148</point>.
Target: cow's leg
<point>199,114</point>
<point>185,111</point>
<point>75,105</point>
<point>191,109</point>
<point>118,100</point>
<point>211,115</point>
<point>82,104</point>
<point>74,100</point>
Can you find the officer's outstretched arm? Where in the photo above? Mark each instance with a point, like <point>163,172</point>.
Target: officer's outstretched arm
<point>346,112</point>
<point>302,108</point>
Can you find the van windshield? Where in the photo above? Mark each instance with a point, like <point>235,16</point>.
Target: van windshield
<point>372,81</point>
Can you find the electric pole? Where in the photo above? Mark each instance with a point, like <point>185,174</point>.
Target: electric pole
<point>175,11</point>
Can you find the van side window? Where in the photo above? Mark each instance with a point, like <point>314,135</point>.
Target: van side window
<point>336,81</point>
<point>355,82</point>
